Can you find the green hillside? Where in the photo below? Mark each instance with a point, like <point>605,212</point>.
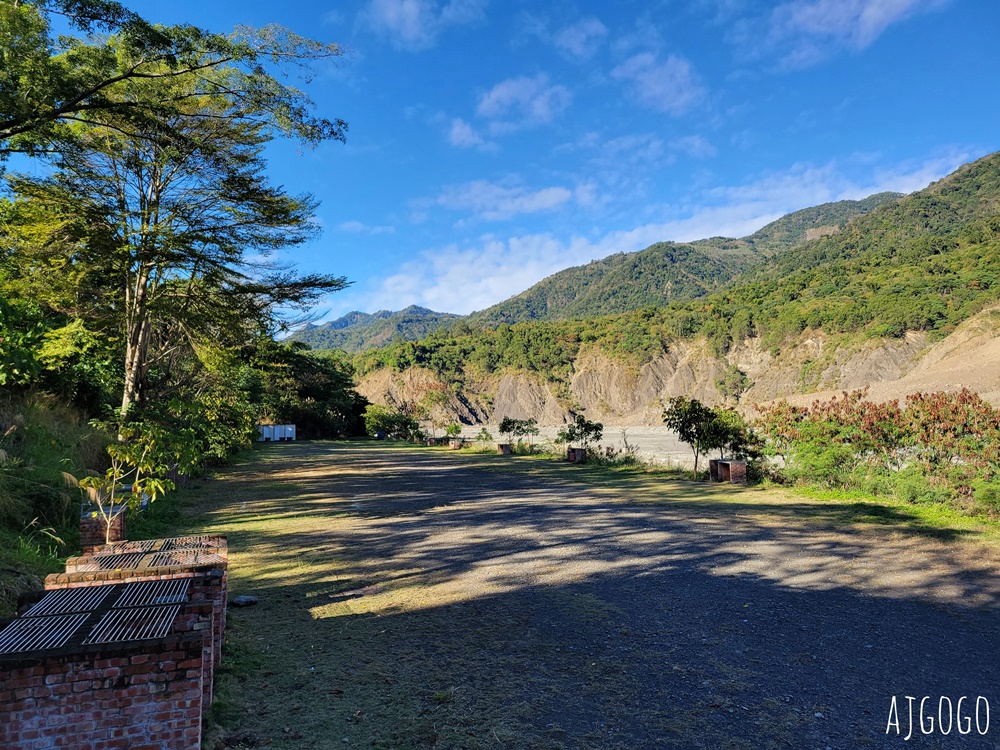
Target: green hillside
<point>357,331</point>
<point>660,274</point>
<point>925,262</point>
<point>812,223</point>
<point>667,271</point>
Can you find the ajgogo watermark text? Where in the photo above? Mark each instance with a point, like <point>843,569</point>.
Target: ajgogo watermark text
<point>940,715</point>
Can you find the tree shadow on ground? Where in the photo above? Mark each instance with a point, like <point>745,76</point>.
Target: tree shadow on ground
<point>411,600</point>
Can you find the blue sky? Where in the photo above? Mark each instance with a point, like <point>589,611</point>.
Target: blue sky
<point>493,143</point>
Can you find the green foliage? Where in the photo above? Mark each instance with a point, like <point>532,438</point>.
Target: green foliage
<point>289,384</point>
<point>47,82</point>
<point>733,435</point>
<point>390,422</point>
<point>134,264</point>
<point>517,428</point>
<point>20,335</point>
<point>42,442</point>
<point>658,275</point>
<point>666,273</point>
<point>581,431</point>
<point>168,215</point>
<point>925,262</point>
<point>694,424</point>
<point>705,429</point>
<point>733,383</point>
<point>453,430</point>
<point>940,447</point>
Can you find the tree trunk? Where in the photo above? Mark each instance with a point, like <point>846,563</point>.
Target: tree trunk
<point>695,464</point>
<point>136,354</point>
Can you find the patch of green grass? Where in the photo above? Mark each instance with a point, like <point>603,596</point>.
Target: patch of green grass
<point>25,560</point>
<point>647,484</point>
<point>935,519</point>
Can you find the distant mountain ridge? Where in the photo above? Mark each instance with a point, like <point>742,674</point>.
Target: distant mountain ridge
<point>357,331</point>
<point>663,273</point>
<point>669,271</point>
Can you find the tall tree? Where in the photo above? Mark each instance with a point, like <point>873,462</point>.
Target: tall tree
<point>178,215</point>
<point>47,82</point>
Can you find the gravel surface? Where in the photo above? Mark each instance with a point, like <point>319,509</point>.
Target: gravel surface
<point>509,609</point>
<point>655,445</point>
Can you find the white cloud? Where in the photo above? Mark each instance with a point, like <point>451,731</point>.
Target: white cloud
<point>695,146</point>
<point>416,24</point>
<point>522,102</point>
<point>461,279</point>
<point>462,135</point>
<point>581,39</point>
<point>670,86</point>
<point>801,33</point>
<point>356,227</point>
<point>495,202</point>
<point>803,184</point>
<point>471,276</point>
<point>857,22</point>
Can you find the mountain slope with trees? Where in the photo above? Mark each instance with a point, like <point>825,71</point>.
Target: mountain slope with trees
<point>662,273</point>
<point>917,266</point>
<point>668,271</point>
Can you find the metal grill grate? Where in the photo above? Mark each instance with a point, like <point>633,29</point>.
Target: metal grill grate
<point>120,561</point>
<point>148,593</point>
<point>64,601</point>
<point>189,542</point>
<point>118,548</point>
<point>33,633</point>
<point>133,624</point>
<point>185,557</point>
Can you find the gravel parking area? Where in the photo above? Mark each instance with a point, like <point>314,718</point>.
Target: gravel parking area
<point>412,597</point>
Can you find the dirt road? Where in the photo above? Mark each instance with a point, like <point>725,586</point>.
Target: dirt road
<point>417,599</point>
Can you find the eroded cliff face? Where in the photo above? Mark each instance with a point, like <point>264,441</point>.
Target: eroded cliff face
<point>619,394</point>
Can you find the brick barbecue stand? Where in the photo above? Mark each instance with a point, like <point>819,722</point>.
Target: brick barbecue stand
<point>121,650</point>
<point>92,530</point>
<point>728,470</point>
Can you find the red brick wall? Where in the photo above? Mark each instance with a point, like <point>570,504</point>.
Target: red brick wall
<point>208,587</point>
<point>136,696</point>
<point>92,531</point>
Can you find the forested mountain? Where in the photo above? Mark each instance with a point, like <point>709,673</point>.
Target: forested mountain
<point>667,271</point>
<point>662,273</point>
<point>357,331</point>
<point>812,223</point>
<point>923,263</point>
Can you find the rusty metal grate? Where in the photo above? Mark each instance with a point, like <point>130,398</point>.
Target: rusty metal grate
<point>34,633</point>
<point>189,542</point>
<point>64,601</point>
<point>133,624</point>
<point>119,561</point>
<point>148,593</point>
<point>118,548</point>
<point>185,557</point>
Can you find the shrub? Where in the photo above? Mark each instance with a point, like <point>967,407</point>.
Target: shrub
<point>393,423</point>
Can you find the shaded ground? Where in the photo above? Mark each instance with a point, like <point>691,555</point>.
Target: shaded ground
<point>412,598</point>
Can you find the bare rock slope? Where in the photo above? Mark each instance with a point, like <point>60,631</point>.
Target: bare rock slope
<point>618,393</point>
